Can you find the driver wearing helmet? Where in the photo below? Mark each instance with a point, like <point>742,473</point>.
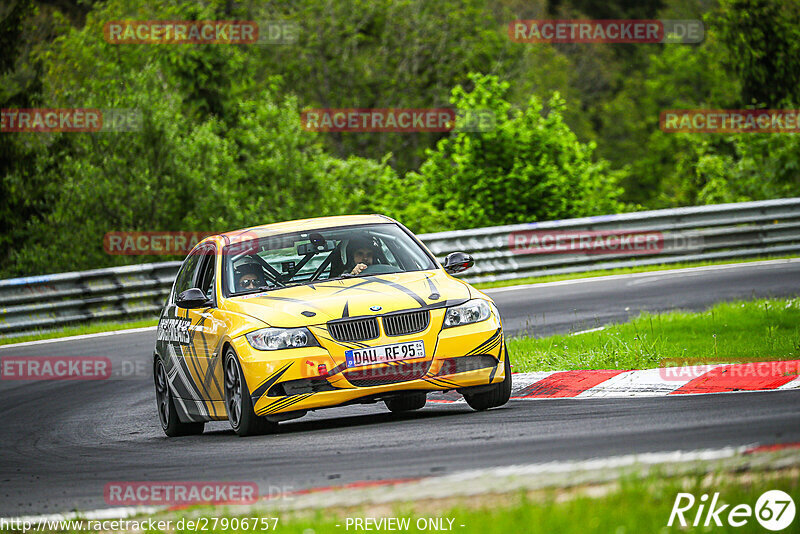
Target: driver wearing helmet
<point>249,276</point>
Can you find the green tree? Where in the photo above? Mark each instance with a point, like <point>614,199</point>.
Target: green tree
<point>676,77</point>
<point>734,168</point>
<point>202,160</point>
<point>530,167</point>
<point>396,54</point>
<point>763,39</point>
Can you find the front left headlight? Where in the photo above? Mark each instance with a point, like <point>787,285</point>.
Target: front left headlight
<point>472,311</point>
<point>281,338</point>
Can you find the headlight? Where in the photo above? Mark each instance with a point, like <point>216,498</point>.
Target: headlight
<point>281,338</point>
<point>473,311</point>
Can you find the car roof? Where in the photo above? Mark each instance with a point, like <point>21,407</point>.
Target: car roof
<point>256,232</point>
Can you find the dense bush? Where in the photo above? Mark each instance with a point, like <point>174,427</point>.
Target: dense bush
<point>529,167</point>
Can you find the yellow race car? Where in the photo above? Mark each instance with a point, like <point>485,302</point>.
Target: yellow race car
<point>266,323</point>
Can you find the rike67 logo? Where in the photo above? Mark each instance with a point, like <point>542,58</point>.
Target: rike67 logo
<point>774,510</point>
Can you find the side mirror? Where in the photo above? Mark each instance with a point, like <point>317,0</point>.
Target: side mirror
<point>456,262</point>
<point>192,298</point>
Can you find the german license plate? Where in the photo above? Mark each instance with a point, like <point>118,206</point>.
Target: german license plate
<point>385,353</point>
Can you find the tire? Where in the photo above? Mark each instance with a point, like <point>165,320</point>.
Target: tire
<point>406,403</point>
<point>167,413</point>
<point>495,397</point>
<point>238,403</point>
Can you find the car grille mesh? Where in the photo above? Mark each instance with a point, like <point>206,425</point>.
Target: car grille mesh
<point>406,323</point>
<point>354,330</point>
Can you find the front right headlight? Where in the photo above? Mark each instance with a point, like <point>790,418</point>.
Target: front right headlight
<point>472,311</point>
<point>281,338</point>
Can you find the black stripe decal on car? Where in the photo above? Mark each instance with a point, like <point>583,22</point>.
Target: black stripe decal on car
<point>265,385</point>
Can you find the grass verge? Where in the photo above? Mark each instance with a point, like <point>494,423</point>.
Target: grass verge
<point>77,330</point>
<point>763,329</point>
<point>630,504</point>
<point>623,270</point>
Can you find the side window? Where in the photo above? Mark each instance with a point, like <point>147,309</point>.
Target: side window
<point>206,278</point>
<point>187,272</point>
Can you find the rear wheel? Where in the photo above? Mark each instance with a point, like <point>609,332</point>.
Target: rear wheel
<point>495,397</point>
<point>167,413</point>
<point>407,403</point>
<point>238,403</point>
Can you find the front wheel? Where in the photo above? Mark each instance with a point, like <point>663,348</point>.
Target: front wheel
<point>238,403</point>
<point>495,397</point>
<point>167,413</point>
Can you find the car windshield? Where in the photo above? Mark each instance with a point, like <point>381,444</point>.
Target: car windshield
<point>325,254</point>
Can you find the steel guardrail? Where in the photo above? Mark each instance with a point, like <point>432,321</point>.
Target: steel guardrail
<point>715,232</point>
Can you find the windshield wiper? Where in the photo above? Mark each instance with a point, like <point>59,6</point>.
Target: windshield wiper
<point>343,276</point>
<point>260,289</point>
<point>318,281</point>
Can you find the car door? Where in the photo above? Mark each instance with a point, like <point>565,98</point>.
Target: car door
<point>174,343</point>
<point>203,356</point>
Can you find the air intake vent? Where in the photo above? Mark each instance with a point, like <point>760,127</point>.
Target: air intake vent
<point>400,324</point>
<point>378,376</point>
<point>462,364</point>
<point>354,330</point>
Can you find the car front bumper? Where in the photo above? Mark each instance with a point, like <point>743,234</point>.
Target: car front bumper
<point>291,379</point>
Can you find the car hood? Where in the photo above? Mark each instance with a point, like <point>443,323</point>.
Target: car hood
<point>321,302</point>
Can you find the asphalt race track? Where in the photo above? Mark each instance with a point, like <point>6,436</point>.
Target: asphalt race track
<point>62,442</point>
